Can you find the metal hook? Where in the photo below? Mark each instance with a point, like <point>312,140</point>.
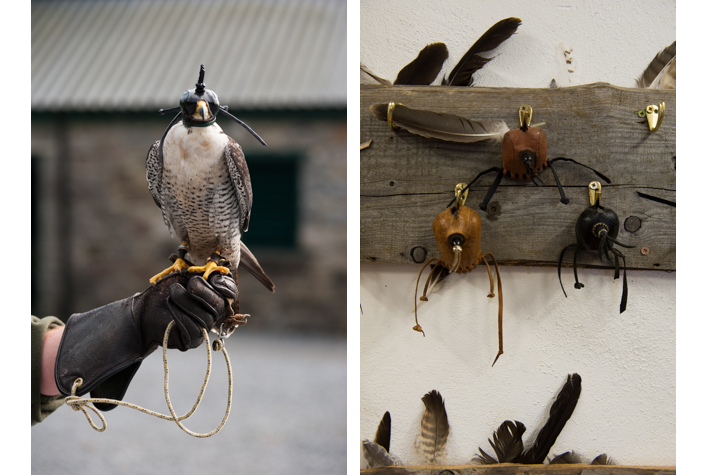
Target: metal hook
<point>390,113</point>
<point>654,116</point>
<point>595,193</point>
<point>525,114</point>
<point>461,193</point>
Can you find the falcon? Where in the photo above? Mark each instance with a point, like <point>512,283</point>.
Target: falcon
<point>198,177</point>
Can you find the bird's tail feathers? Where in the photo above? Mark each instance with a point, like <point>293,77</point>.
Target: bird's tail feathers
<point>248,261</point>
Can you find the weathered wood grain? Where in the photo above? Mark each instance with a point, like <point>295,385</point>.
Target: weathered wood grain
<point>517,469</point>
<point>405,180</point>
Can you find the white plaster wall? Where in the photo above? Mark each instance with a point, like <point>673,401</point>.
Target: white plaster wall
<point>627,361</point>
<point>610,41</point>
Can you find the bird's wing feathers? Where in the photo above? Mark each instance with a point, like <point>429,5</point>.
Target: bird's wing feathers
<point>248,261</point>
<point>239,174</point>
<point>154,175</point>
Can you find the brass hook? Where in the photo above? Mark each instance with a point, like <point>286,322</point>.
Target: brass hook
<point>595,193</point>
<point>654,116</point>
<point>390,113</point>
<point>525,114</point>
<point>461,193</point>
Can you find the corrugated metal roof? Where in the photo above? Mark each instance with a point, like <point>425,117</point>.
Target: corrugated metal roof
<point>143,54</point>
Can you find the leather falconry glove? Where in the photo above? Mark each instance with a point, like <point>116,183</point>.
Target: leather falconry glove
<point>105,346</point>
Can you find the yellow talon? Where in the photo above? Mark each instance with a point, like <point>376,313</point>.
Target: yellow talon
<point>176,267</point>
<point>208,269</point>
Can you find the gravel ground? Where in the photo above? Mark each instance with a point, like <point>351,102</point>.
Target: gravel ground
<point>288,415</point>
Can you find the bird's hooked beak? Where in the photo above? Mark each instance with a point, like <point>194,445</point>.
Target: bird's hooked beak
<point>202,112</point>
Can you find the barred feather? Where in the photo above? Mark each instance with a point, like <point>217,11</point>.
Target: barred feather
<point>662,61</point>
<point>434,427</point>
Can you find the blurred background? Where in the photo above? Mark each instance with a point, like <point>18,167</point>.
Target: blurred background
<point>100,72</point>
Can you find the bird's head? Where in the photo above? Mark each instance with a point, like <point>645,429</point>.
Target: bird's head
<point>200,105</point>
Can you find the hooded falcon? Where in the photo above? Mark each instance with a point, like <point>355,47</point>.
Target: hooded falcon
<point>199,179</point>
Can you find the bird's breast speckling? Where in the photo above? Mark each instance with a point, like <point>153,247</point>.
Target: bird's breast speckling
<point>198,188</point>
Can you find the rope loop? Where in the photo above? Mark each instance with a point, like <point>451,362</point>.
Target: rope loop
<point>77,403</point>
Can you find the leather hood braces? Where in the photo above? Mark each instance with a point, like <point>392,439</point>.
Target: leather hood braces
<point>457,230</point>
<point>524,152</point>
<point>596,230</point>
<point>188,106</point>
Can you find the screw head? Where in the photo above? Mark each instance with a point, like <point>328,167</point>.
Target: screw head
<point>645,251</point>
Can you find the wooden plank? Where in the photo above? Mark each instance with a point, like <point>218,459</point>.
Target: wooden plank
<point>405,180</point>
<point>518,469</point>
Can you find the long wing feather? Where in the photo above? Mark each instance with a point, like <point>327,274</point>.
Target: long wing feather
<point>154,175</point>
<point>450,127</point>
<point>662,59</point>
<point>239,174</point>
<point>507,443</point>
<point>368,77</point>
<point>472,61</point>
<point>560,412</point>
<point>382,437</point>
<point>434,426</point>
<point>248,261</point>
<point>425,67</point>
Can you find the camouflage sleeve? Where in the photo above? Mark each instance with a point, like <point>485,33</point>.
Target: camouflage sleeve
<point>42,406</point>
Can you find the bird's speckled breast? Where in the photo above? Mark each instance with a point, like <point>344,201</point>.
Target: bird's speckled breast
<point>195,180</point>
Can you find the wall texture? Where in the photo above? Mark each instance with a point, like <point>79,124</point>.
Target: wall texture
<point>118,239</point>
<point>627,361</point>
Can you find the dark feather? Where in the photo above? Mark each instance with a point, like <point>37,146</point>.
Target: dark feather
<point>507,443</point>
<point>425,67</point>
<point>382,437</point>
<point>567,457</point>
<point>482,458</point>
<point>434,426</point>
<point>472,61</point>
<point>560,412</point>
<point>603,459</point>
<point>442,126</point>
<point>248,261</point>
<point>662,59</point>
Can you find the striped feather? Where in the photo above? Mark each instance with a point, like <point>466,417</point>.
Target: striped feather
<point>434,427</point>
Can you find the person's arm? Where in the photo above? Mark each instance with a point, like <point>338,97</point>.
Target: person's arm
<point>42,403</point>
<point>47,383</point>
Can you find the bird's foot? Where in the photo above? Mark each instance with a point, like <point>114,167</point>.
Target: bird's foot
<point>177,266</point>
<point>208,268</point>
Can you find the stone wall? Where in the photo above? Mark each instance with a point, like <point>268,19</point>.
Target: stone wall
<point>101,237</point>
